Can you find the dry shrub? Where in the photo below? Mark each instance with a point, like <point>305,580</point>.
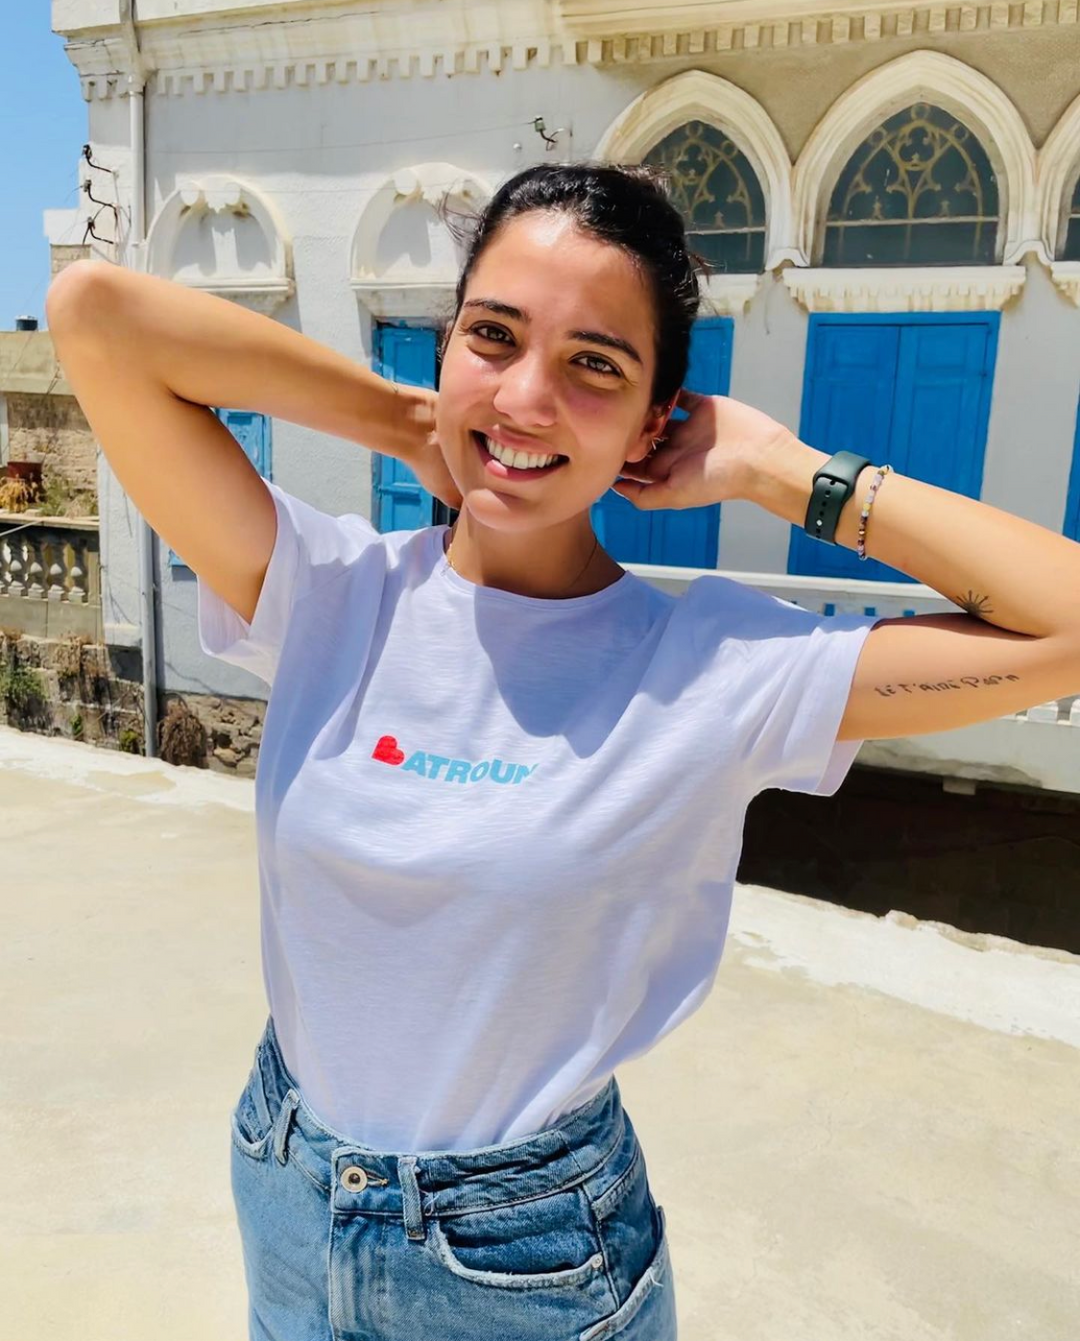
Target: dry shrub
<point>181,736</point>
<point>15,495</point>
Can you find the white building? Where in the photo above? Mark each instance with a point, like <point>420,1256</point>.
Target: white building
<point>889,192</point>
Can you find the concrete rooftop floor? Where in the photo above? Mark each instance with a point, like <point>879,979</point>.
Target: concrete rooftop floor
<point>868,1131</point>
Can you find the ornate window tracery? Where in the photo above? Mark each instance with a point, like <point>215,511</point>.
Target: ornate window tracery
<point>919,190</point>
<point>715,188</point>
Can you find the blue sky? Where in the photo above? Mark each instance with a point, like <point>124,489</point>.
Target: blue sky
<point>43,126</point>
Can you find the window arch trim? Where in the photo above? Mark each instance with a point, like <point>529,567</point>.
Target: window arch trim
<point>921,76</point>
<point>696,95</point>
<point>1059,168</point>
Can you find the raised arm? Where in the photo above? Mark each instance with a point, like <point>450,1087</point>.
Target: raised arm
<point>146,357</point>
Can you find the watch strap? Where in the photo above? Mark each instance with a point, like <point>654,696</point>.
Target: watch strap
<point>834,484</point>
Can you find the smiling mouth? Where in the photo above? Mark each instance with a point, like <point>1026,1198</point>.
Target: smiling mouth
<point>497,467</point>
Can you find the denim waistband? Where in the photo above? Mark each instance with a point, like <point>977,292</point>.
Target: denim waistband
<point>414,1184</point>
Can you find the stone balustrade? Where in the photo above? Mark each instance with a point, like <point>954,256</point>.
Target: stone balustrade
<point>50,576</point>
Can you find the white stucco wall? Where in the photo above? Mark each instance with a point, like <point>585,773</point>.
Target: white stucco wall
<point>320,152</point>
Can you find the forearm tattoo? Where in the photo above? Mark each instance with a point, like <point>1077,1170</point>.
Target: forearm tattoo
<point>965,681</point>
<point>979,606</point>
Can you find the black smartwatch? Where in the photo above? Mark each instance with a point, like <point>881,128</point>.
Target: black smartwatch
<point>834,484</point>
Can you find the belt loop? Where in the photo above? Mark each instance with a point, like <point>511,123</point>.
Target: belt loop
<point>281,1125</point>
<point>410,1196</point>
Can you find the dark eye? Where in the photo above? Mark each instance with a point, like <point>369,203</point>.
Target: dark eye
<point>482,326</point>
<point>607,368</point>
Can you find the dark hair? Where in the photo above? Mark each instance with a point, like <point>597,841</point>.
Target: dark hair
<point>626,206</point>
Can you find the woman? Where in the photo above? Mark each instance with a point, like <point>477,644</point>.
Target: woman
<point>502,782</point>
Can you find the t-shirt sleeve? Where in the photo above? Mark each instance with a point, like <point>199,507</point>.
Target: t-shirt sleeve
<point>310,549</point>
<point>800,672</point>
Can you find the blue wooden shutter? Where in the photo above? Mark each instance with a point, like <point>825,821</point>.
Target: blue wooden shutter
<point>399,501</point>
<point>913,391</point>
<point>683,537</point>
<point>1072,506</point>
<point>252,432</point>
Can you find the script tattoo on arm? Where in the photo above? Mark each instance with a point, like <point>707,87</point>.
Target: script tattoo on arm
<point>979,606</point>
<point>965,681</point>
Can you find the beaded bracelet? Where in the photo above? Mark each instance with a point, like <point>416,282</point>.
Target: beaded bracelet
<point>860,544</point>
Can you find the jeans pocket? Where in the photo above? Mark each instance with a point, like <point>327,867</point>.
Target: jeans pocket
<point>251,1120</point>
<point>629,1222</point>
<point>648,1312</point>
<point>544,1243</point>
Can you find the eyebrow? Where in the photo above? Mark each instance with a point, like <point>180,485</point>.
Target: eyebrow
<point>590,337</point>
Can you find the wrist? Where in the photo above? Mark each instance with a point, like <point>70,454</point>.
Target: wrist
<point>409,421</point>
<point>781,479</point>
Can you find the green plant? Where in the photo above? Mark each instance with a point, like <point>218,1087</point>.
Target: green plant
<point>130,741</point>
<point>20,687</point>
<point>77,727</point>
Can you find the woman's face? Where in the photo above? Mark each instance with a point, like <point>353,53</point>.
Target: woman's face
<point>552,353</point>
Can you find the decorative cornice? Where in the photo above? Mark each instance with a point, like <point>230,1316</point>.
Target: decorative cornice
<point>433,301</point>
<point>1066,275</point>
<point>728,295</point>
<point>974,288</point>
<point>217,52</point>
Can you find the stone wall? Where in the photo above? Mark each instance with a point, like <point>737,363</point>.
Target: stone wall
<point>52,429</point>
<point>69,687</point>
<point>91,692</point>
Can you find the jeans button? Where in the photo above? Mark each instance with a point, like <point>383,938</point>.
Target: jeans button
<point>354,1178</point>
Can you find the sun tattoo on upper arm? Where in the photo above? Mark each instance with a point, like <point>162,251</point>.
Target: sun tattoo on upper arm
<point>979,606</point>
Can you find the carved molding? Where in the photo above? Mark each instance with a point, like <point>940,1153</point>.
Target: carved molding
<point>698,95</point>
<point>401,286</point>
<point>248,259</point>
<point>214,52</point>
<point>728,295</point>
<point>1059,164</point>
<point>1066,275</point>
<point>975,288</point>
<point>933,77</point>
<point>407,301</point>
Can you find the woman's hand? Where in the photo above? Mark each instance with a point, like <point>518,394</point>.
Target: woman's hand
<point>704,459</point>
<point>426,459</point>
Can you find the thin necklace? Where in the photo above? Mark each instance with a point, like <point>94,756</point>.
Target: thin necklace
<point>596,545</point>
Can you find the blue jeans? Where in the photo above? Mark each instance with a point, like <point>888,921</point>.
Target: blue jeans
<point>552,1237</point>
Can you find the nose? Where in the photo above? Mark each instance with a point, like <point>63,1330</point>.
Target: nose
<point>526,394</point>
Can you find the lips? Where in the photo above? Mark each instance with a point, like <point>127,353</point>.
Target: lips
<point>496,467</point>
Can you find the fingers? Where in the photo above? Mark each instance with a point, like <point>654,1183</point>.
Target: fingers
<point>645,497</point>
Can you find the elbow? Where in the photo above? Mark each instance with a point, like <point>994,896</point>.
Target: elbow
<point>76,296</point>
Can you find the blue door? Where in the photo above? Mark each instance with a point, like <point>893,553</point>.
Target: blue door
<point>913,391</point>
<point>399,501</point>
<point>252,432</point>
<point>681,537</point>
<point>1072,506</point>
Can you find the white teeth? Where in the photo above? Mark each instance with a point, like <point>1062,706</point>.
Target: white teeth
<point>518,460</point>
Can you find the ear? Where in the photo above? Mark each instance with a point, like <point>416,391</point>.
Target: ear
<point>653,428</point>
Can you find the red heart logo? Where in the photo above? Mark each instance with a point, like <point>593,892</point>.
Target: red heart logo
<point>387,750</point>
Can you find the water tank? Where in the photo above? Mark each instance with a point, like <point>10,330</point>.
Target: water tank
<point>26,323</point>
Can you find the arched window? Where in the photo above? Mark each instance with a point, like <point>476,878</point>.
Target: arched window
<point>1071,249</point>
<point>919,190</point>
<point>718,194</point>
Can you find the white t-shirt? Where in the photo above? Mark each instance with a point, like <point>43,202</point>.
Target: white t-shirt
<point>498,834</point>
